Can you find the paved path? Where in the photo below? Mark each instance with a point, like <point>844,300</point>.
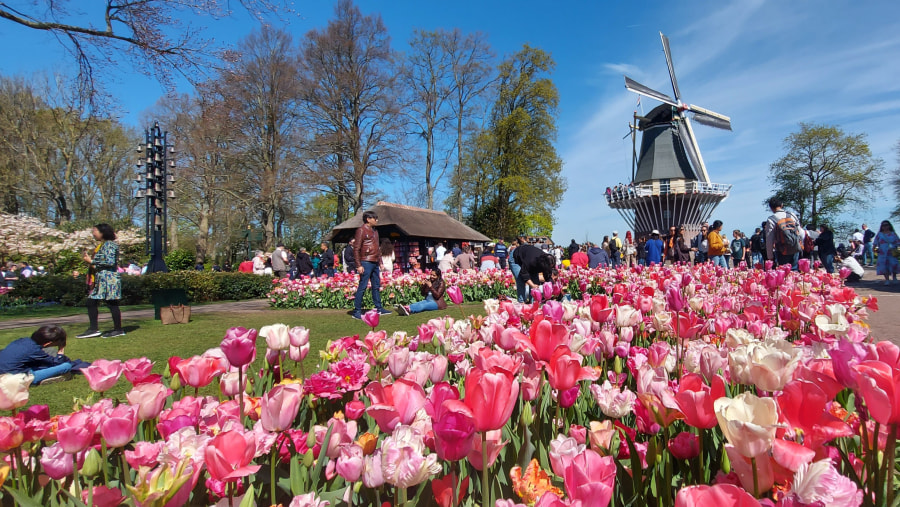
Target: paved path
<point>256,305</point>
<point>884,322</point>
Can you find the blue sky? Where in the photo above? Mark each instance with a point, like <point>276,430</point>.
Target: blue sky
<point>767,64</point>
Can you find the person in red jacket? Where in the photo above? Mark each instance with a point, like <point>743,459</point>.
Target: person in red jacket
<point>368,262</point>
<point>246,266</point>
<point>580,258</point>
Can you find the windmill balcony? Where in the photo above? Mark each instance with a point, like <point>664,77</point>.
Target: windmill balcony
<point>624,194</point>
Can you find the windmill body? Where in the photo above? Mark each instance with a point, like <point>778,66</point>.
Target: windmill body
<point>670,185</point>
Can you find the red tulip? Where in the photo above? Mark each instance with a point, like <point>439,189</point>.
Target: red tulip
<point>719,495</point>
<point>684,446</point>
<point>565,371</point>
<point>590,478</point>
<point>119,426</point>
<point>600,310</point>
<point>695,400</point>
<point>102,374</point>
<point>804,406</point>
<point>454,430</point>
<point>545,337</point>
<point>199,371</point>
<point>491,396</point>
<point>456,295</point>
<point>228,455</point>
<point>879,385</point>
<point>149,399</point>
<point>443,489</point>
<point>239,346</point>
<point>279,407</point>
<point>686,325</point>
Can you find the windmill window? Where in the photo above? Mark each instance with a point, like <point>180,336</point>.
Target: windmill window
<point>665,186</point>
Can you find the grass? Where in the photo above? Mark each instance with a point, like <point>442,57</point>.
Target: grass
<point>55,311</point>
<point>157,342</point>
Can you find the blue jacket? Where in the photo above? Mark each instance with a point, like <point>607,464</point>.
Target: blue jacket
<point>597,257</point>
<point>654,250</point>
<point>500,251</point>
<point>25,355</point>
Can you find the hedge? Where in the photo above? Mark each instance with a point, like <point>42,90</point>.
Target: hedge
<point>200,287</point>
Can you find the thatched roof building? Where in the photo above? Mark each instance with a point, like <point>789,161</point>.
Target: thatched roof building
<point>400,222</point>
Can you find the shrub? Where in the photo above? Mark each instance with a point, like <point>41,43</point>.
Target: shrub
<point>180,260</point>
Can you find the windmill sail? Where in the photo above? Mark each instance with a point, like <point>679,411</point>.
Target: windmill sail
<point>665,41</point>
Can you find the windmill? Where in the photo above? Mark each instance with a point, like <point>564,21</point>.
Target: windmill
<point>670,185</point>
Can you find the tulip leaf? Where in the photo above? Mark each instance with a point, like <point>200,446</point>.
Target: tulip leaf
<point>23,499</point>
<point>526,451</point>
<point>296,476</point>
<point>247,500</point>
<point>323,459</point>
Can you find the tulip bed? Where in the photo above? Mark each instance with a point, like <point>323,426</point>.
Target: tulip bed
<point>396,289</point>
<point>688,386</point>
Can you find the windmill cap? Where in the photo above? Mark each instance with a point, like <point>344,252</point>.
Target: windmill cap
<point>655,232</point>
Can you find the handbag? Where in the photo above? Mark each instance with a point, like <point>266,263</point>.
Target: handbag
<point>172,314</point>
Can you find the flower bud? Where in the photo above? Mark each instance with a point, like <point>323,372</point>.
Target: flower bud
<point>92,463</point>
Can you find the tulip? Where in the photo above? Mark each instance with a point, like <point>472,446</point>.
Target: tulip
<point>879,386</point>
<point>489,443</point>
<point>149,399</point>
<point>444,488</point>
<point>718,495</point>
<point>228,455</point>
<point>695,400</point>
<point>119,426</point>
<point>308,500</point>
<point>349,464</point>
<point>820,484</point>
<point>102,374</point>
<point>299,336</point>
<point>590,478</point>
<point>55,462</point>
<point>454,430</point>
<point>371,318</point>
<point>600,435</point>
<point>398,362</point>
<point>14,390</point>
<point>613,402</point>
<point>565,371</point>
<point>298,354</point>
<point>138,370</point>
<point>372,476</point>
<point>279,407</point>
<point>491,396</point>
<point>455,294</point>
<point>232,383</point>
<point>199,371</point>
<point>277,336</point>
<point>562,452</point>
<point>438,369</point>
<point>396,404</point>
<point>11,435</point>
<point>354,409</point>
<point>545,338</point>
<point>145,454</point>
<point>239,346</point>
<point>403,460</point>
<point>748,422</point>
<point>684,446</point>
<point>75,432</point>
<point>103,496</point>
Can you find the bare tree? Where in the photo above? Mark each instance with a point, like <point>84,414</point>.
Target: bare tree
<point>151,34</point>
<point>350,105</point>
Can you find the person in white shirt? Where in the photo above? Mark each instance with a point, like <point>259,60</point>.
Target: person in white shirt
<point>857,271</point>
<point>447,262</point>
<point>440,251</point>
<point>259,264</point>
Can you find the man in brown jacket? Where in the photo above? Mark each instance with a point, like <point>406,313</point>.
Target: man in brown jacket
<point>368,260</point>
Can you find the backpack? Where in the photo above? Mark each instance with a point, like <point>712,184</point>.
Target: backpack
<point>809,244</point>
<point>614,245</point>
<point>761,242</point>
<point>787,234</point>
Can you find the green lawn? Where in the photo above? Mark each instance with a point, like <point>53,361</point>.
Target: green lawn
<point>151,339</point>
<point>55,311</point>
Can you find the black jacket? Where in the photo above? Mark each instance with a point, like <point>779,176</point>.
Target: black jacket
<point>304,263</point>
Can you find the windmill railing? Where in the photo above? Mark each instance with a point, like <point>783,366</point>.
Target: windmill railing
<point>621,193</point>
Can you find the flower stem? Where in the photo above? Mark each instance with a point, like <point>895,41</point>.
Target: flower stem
<point>401,497</point>
<point>889,462</point>
<point>75,476</point>
<point>485,493</point>
<point>126,473</point>
<point>755,478</point>
<point>272,473</point>
<point>105,462</point>
<point>241,393</point>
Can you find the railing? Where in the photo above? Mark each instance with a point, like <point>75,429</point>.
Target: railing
<point>624,192</point>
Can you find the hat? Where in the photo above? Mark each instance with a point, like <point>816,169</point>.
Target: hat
<point>490,244</point>
<point>655,232</point>
<point>615,233</point>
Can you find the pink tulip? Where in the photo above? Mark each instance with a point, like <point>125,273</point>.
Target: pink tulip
<point>545,337</point>
<point>75,432</point>
<point>119,426</point>
<point>228,455</point>
<point>11,434</point>
<point>879,386</point>
<point>149,399</point>
<point>438,369</point>
<point>55,462</point>
<point>719,495</point>
<point>138,370</point>
<point>371,318</point>
<point>590,478</point>
<point>299,336</point>
<point>354,409</point>
<point>199,371</point>
<point>537,296</point>
<point>279,407</point>
<point>239,346</point>
<point>231,384</point>
<point>454,430</point>
<point>803,406</point>
<point>491,396</point>
<point>494,446</point>
<point>102,374</point>
<point>562,452</point>
<point>395,404</point>
<point>565,371</point>
<point>145,454</point>
<point>398,362</point>
<point>456,295</point>
<point>684,446</point>
<point>103,496</point>
<point>298,354</point>
<point>349,464</point>
<point>695,400</point>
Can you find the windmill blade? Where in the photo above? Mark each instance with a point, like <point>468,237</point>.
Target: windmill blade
<point>665,42</point>
<point>710,118</point>
<point>640,89</point>
<point>686,133</point>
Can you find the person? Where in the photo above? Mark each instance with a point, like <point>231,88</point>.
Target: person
<point>327,265</point>
<point>387,255</point>
<point>434,290</point>
<point>304,263</point>
<point>41,271</point>
<point>615,250</point>
<point>717,246</point>
<point>515,268</point>
<point>25,271</point>
<point>488,259</point>
<point>857,236</point>
<point>868,246</point>
<point>886,241</point>
<point>700,244</point>
<point>259,263</point>
<point>465,261</point>
<point>199,266</point>
<point>500,251</point>
<point>669,243</point>
<point>573,247</point>
<point>227,267</point>
<point>439,251</point>
<point>280,261</point>
<point>782,248</point>
<point>630,250</point>
<point>10,277</point>
<point>456,250</point>
<point>757,246</point>
<point>447,263</point>
<point>825,244</point>
<point>246,266</point>
<point>580,258</point>
<point>682,248</point>
<point>368,258</point>
<point>856,271</point>
<point>738,248</point>
<point>105,282</point>
<point>535,267</point>
<point>216,268</point>
<point>597,257</point>
<point>641,248</point>
<point>36,356</point>
<point>349,261</point>
<point>316,260</point>
<point>654,248</point>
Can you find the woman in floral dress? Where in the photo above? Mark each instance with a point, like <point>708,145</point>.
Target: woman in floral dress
<point>106,283</point>
<point>886,241</point>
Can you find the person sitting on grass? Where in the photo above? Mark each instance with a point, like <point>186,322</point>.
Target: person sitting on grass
<point>433,289</point>
<point>30,355</point>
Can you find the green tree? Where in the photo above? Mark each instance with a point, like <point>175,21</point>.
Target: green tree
<point>824,172</point>
<point>521,185</point>
<point>895,182</point>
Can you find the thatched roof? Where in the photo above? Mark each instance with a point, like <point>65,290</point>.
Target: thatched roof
<point>397,220</point>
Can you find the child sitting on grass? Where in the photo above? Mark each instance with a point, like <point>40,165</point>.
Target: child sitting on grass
<point>30,355</point>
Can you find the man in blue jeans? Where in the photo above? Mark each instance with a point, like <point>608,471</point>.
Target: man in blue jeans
<point>29,355</point>
<point>868,251</point>
<point>368,258</point>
